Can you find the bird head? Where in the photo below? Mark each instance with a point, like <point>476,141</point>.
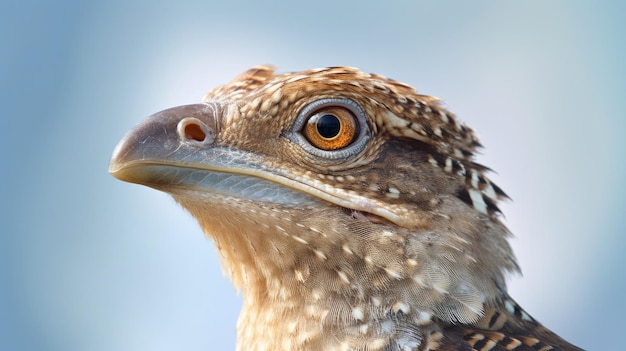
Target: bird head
<point>335,198</point>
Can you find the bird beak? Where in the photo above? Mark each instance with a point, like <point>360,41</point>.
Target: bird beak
<point>176,151</point>
<point>167,137</point>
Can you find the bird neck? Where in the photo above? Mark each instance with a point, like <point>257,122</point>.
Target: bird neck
<point>375,283</point>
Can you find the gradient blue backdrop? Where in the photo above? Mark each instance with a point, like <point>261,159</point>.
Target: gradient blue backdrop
<point>90,263</point>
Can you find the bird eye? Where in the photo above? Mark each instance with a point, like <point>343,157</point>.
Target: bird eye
<point>331,128</point>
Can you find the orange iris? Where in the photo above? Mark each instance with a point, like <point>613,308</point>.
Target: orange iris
<point>331,128</point>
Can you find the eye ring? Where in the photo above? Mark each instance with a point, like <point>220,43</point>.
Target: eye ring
<point>333,128</point>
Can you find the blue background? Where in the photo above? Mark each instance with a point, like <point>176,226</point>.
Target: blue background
<point>91,263</point>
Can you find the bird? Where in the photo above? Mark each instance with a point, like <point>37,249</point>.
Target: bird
<point>346,207</point>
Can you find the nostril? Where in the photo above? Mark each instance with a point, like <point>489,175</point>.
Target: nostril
<point>193,131</point>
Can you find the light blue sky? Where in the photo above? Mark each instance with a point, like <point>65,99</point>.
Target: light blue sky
<point>90,263</point>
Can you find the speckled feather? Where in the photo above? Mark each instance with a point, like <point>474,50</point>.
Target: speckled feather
<point>402,249</point>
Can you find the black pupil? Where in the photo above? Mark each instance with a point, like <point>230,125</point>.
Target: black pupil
<point>328,126</point>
